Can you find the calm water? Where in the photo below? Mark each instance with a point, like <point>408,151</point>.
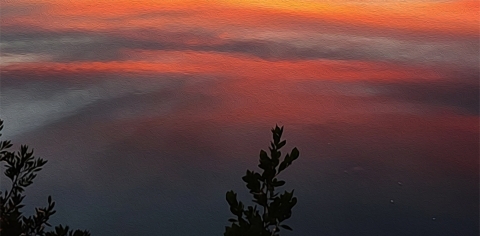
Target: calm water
<point>148,112</point>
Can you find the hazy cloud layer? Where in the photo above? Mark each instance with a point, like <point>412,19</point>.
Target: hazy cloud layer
<point>35,104</point>
<point>274,45</point>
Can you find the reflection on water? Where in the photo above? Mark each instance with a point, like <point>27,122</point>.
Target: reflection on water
<point>148,115</point>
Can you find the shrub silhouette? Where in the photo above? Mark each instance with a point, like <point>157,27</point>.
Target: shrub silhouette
<point>276,208</point>
<point>21,168</point>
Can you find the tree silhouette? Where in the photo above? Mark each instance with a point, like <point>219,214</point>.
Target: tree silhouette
<point>21,168</point>
<point>271,209</point>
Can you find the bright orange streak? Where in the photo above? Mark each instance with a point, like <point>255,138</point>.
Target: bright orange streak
<point>457,17</point>
<point>461,16</point>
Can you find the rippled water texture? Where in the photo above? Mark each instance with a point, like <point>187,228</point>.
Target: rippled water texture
<point>149,111</point>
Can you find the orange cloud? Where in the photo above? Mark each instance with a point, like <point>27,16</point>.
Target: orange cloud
<point>238,66</point>
<point>449,17</point>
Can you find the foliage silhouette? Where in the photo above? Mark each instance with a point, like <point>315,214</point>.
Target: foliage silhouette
<point>276,208</point>
<point>21,168</point>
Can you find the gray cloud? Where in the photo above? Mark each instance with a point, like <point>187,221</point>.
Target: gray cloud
<point>282,45</point>
<point>35,104</point>
<point>423,97</point>
<point>461,97</point>
<point>61,46</point>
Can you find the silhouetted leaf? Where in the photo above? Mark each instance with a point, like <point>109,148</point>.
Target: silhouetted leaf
<point>294,154</point>
<point>278,183</point>
<point>232,198</point>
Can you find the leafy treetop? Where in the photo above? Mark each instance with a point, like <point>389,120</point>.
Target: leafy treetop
<point>271,209</point>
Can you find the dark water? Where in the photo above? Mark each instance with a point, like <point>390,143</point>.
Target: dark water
<point>149,112</point>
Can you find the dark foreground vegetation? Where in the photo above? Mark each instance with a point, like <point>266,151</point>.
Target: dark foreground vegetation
<point>265,218</point>
<point>21,168</point>
<point>272,208</point>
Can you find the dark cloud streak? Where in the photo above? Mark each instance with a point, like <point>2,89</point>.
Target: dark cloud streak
<point>85,46</point>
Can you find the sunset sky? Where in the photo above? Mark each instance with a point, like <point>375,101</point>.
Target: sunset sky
<point>149,111</point>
